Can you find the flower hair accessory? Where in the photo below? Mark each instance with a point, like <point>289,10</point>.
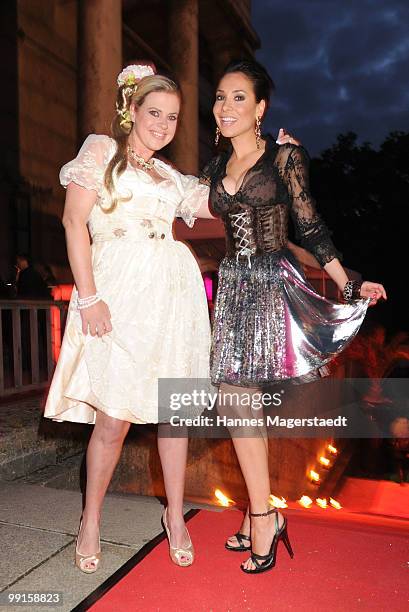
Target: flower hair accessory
<point>127,80</point>
<point>133,73</point>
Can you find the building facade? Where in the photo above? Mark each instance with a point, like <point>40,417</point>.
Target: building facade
<point>61,62</point>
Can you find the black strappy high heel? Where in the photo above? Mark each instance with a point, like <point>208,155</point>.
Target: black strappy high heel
<point>240,537</point>
<point>264,563</point>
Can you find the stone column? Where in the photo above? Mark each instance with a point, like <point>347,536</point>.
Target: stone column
<point>184,60</point>
<point>223,50</point>
<point>99,61</point>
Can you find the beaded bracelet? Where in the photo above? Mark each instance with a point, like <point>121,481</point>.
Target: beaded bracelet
<point>352,290</point>
<point>88,301</point>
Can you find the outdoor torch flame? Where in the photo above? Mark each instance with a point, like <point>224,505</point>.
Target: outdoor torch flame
<point>278,502</point>
<point>324,461</point>
<point>322,503</point>
<point>223,499</point>
<point>305,501</point>
<point>314,476</point>
<point>335,504</point>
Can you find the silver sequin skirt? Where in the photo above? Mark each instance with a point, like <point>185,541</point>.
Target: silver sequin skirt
<point>271,325</point>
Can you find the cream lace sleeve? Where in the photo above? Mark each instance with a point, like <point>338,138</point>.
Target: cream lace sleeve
<point>87,169</point>
<point>195,193</point>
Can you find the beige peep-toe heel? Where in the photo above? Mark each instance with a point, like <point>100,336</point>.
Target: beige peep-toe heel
<point>181,556</point>
<point>81,561</point>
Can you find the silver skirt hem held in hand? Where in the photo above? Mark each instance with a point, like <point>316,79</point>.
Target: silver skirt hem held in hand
<point>271,325</point>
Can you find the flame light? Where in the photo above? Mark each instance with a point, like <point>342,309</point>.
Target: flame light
<point>324,461</point>
<point>322,503</point>
<point>305,501</point>
<point>278,502</point>
<point>223,499</point>
<point>332,449</point>
<point>314,477</point>
<point>335,504</point>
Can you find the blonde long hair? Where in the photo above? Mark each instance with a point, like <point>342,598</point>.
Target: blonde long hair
<point>121,127</point>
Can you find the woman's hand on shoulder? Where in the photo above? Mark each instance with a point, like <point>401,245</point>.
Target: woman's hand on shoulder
<point>285,137</point>
<point>96,319</point>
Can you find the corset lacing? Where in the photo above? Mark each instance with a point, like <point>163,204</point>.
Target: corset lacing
<point>239,223</point>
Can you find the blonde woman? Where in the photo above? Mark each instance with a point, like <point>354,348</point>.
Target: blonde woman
<point>138,310</point>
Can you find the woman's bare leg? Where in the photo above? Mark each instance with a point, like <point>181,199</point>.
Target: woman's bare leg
<point>173,456</point>
<point>233,406</point>
<point>252,454</point>
<point>245,525</point>
<point>103,453</point>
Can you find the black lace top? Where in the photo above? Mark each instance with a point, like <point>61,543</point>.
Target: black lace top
<point>279,181</point>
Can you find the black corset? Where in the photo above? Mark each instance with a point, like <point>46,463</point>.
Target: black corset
<point>253,231</point>
<point>256,217</point>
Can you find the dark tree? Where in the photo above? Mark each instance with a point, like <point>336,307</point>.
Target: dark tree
<point>363,194</point>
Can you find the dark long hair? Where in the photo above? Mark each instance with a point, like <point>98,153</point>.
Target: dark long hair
<point>263,84</point>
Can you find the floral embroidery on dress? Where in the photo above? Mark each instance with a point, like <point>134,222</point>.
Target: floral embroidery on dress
<point>144,293</point>
<point>119,232</point>
<point>146,223</point>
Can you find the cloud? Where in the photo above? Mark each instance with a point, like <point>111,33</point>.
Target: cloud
<point>337,67</point>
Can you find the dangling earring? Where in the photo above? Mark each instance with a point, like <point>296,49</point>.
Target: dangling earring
<point>258,132</point>
<point>217,136</point>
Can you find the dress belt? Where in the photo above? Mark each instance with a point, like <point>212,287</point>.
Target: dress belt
<point>142,233</point>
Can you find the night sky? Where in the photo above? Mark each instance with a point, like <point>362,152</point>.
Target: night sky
<point>338,66</point>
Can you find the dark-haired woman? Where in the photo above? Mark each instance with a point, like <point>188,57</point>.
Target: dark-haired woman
<point>270,324</point>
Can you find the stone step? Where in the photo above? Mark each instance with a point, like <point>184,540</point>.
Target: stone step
<point>26,463</point>
<point>29,443</point>
<point>63,475</point>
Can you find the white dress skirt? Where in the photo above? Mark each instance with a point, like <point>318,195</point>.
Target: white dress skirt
<point>152,285</point>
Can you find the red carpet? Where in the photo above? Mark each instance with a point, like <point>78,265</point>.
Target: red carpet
<point>342,562</point>
<point>375,496</point>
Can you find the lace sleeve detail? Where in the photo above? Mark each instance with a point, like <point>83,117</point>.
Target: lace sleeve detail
<point>311,229</point>
<point>87,169</point>
<point>209,171</point>
<point>194,194</point>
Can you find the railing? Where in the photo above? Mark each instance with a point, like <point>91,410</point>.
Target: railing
<point>31,330</point>
<point>30,341</point>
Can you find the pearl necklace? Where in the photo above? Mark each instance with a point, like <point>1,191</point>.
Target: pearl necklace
<point>146,165</point>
